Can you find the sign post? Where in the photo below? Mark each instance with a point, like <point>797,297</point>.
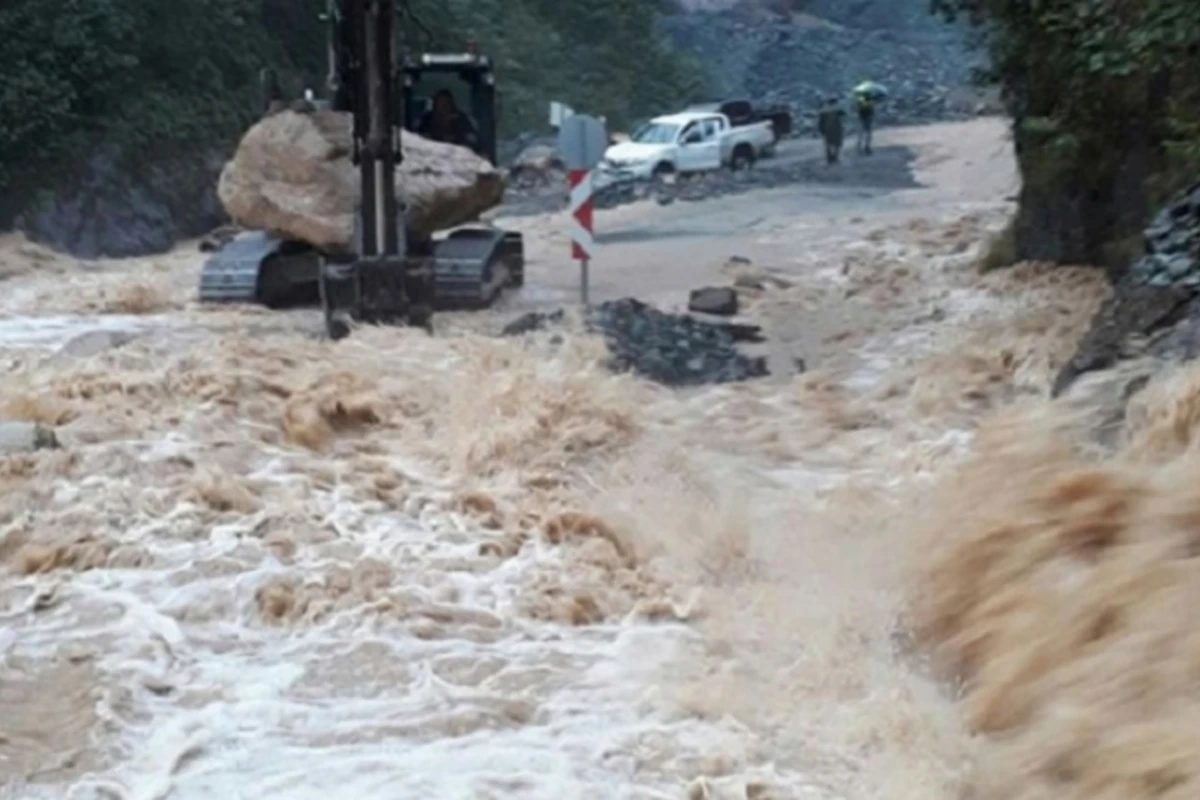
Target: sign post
<point>582,141</point>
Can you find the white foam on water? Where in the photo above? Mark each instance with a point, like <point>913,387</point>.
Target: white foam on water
<point>563,714</point>
<point>53,331</point>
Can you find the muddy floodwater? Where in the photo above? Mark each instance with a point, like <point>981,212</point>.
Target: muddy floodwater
<point>262,565</point>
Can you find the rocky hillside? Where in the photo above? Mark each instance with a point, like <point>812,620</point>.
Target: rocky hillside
<point>800,52</point>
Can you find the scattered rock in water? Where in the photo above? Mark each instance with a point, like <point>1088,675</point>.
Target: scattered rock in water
<point>533,321</point>
<point>740,332</point>
<point>718,300</point>
<point>749,282</point>
<point>94,343</point>
<point>25,437</point>
<point>672,349</point>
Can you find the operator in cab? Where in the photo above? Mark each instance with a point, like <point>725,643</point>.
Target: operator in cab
<point>446,123</point>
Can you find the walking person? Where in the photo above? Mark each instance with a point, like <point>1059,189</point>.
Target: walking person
<point>831,126</point>
<point>866,121</point>
<point>867,93</point>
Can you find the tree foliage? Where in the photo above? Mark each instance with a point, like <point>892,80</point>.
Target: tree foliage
<point>154,77</point>
<point>1105,96</point>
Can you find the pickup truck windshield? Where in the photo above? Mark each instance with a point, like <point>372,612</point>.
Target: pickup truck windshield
<point>655,133</point>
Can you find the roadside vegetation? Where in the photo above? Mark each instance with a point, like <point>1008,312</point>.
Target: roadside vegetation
<point>1105,96</point>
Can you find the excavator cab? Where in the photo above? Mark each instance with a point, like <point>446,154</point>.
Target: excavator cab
<point>392,275</point>
<point>468,78</point>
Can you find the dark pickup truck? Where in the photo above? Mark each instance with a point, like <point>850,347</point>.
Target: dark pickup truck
<point>745,112</point>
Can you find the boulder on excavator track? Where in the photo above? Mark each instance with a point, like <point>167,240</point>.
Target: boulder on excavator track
<point>472,267</point>
<point>292,185</point>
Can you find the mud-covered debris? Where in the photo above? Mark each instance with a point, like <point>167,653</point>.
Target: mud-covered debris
<point>1172,255</point>
<point>719,300</point>
<point>18,436</point>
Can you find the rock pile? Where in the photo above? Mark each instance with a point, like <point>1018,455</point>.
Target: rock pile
<point>672,349</point>
<point>1155,308</point>
<point>1173,245</point>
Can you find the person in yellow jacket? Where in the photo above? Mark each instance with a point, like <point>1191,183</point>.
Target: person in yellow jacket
<point>866,120</point>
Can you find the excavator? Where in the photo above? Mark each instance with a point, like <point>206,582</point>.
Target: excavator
<point>393,276</point>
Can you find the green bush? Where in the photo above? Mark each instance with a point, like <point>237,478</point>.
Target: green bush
<point>1106,107</point>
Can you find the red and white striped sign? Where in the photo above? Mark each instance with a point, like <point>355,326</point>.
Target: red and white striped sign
<point>580,181</point>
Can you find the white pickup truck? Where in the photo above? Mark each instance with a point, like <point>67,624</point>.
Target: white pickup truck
<point>690,141</point>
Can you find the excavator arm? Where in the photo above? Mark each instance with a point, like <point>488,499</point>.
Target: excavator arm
<point>391,275</point>
<point>382,283</point>
<point>368,54</point>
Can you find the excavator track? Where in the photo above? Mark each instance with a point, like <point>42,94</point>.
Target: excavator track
<point>472,266</point>
<point>263,269</point>
<point>230,275</point>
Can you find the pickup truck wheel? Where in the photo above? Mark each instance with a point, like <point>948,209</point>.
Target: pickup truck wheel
<point>742,158</point>
<point>661,184</point>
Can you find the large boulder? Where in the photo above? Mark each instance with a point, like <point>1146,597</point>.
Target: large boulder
<point>291,175</point>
